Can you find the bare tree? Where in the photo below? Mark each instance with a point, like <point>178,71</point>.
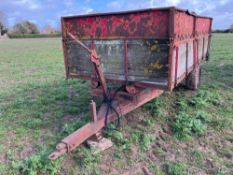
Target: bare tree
<point>3,28</point>
<point>24,27</point>
<point>231,28</point>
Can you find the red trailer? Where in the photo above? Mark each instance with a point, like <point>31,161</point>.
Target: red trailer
<point>144,52</point>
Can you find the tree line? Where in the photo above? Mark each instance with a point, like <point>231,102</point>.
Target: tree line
<point>25,28</point>
<point>30,28</point>
<point>230,30</point>
<point>3,28</point>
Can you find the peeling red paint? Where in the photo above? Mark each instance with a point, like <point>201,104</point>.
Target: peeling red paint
<point>202,26</point>
<point>152,23</point>
<point>184,25</point>
<point>149,24</point>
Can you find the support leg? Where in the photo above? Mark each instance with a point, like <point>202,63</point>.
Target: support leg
<point>96,142</point>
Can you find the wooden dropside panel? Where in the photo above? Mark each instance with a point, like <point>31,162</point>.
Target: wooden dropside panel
<point>190,55</point>
<point>200,48</point>
<point>181,60</point>
<point>111,53</point>
<point>203,47</point>
<point>112,57</point>
<point>147,60</point>
<point>82,65</point>
<point>173,66</point>
<point>185,58</point>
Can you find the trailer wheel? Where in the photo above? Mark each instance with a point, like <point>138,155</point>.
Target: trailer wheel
<point>194,78</point>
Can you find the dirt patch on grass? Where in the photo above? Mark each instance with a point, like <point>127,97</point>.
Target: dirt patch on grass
<point>27,150</point>
<point>15,152</point>
<point>69,118</point>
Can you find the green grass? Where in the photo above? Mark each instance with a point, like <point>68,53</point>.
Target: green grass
<point>176,133</point>
<point>35,35</point>
<point>175,168</point>
<point>34,98</point>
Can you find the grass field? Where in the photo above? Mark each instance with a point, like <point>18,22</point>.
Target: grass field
<point>180,133</point>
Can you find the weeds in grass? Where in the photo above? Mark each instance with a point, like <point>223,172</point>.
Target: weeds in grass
<point>186,125</point>
<point>197,157</point>
<point>143,140</point>
<point>160,152</point>
<point>182,104</point>
<point>189,122</point>
<point>118,138</point>
<point>145,143</point>
<point>33,123</point>
<point>2,131</point>
<point>204,97</point>
<point>135,136</point>
<point>223,171</point>
<point>40,163</point>
<point>176,168</point>
<point>88,161</point>
<point>156,169</point>
<point>155,107</point>
<point>148,122</point>
<point>36,164</point>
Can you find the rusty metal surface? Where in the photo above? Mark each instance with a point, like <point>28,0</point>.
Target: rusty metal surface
<point>184,25</point>
<point>145,24</point>
<point>123,107</point>
<point>133,11</point>
<point>188,26</point>
<point>203,26</point>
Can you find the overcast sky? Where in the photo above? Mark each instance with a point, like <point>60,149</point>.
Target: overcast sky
<point>45,12</point>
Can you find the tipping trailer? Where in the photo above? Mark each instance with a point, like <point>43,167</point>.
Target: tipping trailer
<point>145,52</point>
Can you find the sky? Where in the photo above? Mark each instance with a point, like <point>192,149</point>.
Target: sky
<point>44,12</point>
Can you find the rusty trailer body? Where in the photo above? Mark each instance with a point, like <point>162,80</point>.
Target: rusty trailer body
<point>148,51</point>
